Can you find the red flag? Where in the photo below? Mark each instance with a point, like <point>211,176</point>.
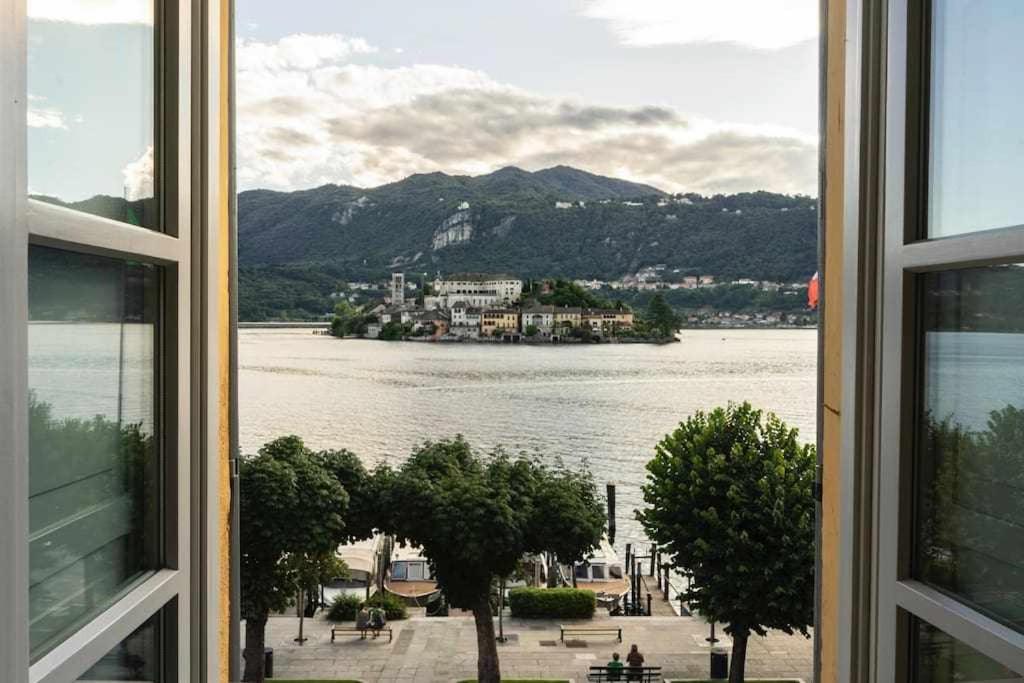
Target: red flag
<point>812,292</point>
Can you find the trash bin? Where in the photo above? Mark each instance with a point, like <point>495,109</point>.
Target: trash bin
<point>719,663</point>
<point>268,662</point>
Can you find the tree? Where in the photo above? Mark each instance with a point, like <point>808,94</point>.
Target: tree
<point>476,517</point>
<point>531,330</point>
<point>729,498</point>
<point>661,318</point>
<point>291,507</point>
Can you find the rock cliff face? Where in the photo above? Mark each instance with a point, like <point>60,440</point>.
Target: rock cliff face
<point>508,221</point>
<point>456,228</point>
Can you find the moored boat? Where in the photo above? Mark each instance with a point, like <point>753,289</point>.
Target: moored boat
<point>409,577</point>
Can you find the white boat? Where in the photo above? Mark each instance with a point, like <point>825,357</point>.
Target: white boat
<point>365,565</point>
<point>604,573</point>
<point>410,578</point>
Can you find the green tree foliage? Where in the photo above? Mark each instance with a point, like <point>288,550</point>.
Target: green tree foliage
<point>660,318</point>
<point>475,518</point>
<point>349,320</point>
<point>566,293</point>
<point>729,498</point>
<point>531,330</point>
<point>394,331</point>
<point>291,518</point>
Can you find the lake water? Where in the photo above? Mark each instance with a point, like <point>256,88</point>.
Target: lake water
<point>601,407</point>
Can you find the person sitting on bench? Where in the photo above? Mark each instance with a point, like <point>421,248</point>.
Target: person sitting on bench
<point>636,663</point>
<point>615,668</point>
<point>363,621</point>
<point>376,621</point>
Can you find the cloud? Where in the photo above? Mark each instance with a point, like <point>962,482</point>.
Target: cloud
<point>39,116</point>
<point>92,12</point>
<point>138,177</point>
<point>760,24</point>
<point>323,119</point>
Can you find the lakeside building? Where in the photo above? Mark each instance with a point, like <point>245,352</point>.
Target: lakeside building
<point>607,319</point>
<point>495,319</point>
<point>568,317</point>
<point>480,290</point>
<point>541,317</point>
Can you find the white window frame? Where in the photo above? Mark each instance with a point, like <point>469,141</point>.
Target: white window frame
<point>189,251</point>
<point>885,256</point>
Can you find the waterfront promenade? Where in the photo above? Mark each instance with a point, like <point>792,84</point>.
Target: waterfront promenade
<point>444,649</point>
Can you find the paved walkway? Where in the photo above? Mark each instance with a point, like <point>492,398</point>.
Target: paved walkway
<point>444,649</point>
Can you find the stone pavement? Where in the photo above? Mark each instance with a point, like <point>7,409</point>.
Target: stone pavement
<point>444,649</point>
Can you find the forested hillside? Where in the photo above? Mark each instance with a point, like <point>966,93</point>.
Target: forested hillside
<point>558,222</point>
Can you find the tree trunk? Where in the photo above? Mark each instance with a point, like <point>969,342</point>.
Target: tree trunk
<point>255,632</point>
<point>487,669</point>
<point>302,615</point>
<point>737,668</point>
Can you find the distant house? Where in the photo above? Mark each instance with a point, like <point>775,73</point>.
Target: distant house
<point>494,319</point>
<point>567,317</point>
<point>465,321</point>
<point>563,205</point>
<point>397,314</point>
<point>541,317</point>
<point>607,319</point>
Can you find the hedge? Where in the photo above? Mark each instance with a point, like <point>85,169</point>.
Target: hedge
<point>344,607</point>
<point>552,603</point>
<point>392,605</point>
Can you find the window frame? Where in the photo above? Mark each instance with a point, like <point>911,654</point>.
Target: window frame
<point>192,108</point>
<point>905,255</point>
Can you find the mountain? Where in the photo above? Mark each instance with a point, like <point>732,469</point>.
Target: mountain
<point>560,221</point>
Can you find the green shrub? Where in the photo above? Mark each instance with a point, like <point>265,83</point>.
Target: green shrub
<point>393,606</point>
<point>552,603</point>
<point>344,608</point>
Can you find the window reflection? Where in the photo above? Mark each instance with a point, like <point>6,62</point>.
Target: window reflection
<point>940,658</point>
<point>137,658</point>
<point>976,131</point>
<point>93,474</point>
<point>970,468</point>
<point>91,69</point>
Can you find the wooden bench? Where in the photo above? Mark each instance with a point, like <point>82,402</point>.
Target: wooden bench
<point>353,631</point>
<point>593,630</point>
<point>645,674</point>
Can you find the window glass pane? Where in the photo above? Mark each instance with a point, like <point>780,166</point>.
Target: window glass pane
<point>399,570</point>
<point>91,107</point>
<point>415,571</point>
<point>137,658</point>
<point>597,572</point>
<point>940,658</point>
<point>93,466</point>
<point>970,465</point>
<point>976,131</point>
<point>582,571</point>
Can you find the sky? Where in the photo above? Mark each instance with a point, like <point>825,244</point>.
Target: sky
<point>687,95</point>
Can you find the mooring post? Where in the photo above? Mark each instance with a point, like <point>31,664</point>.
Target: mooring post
<point>649,613</point>
<point>654,554</point>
